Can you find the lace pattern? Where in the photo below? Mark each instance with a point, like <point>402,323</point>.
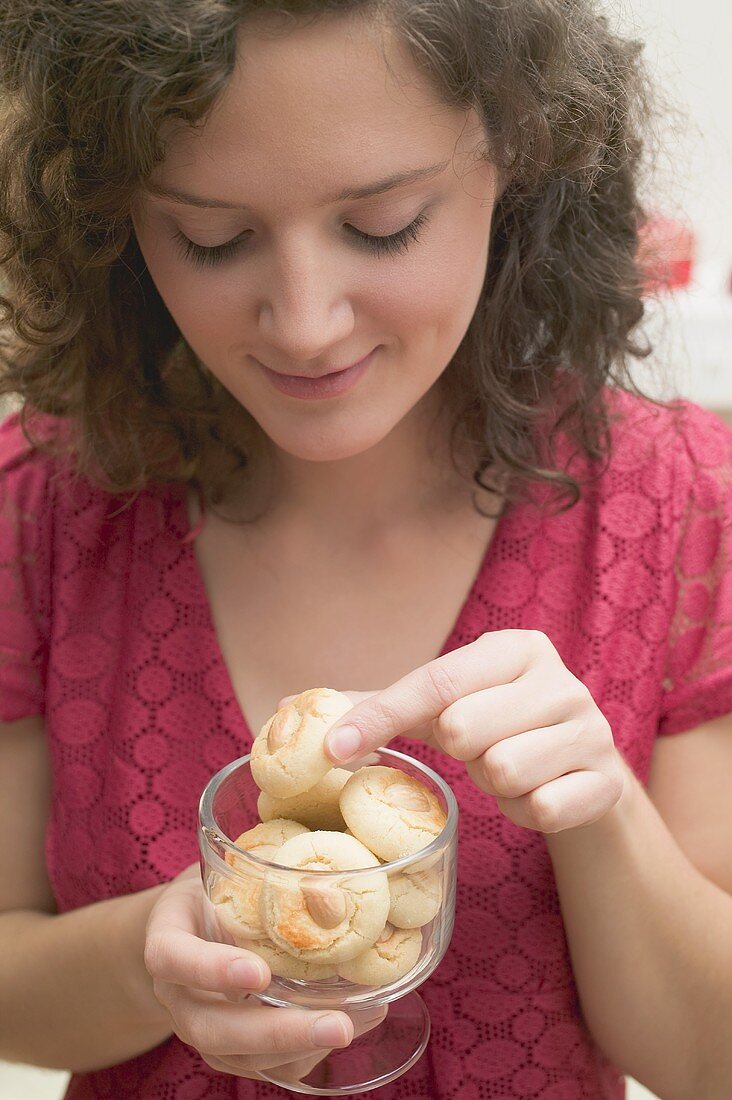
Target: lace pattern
<point>106,630</point>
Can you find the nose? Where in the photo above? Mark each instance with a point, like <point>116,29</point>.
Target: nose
<point>307,307</point>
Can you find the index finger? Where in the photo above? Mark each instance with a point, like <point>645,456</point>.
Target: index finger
<point>412,703</point>
<point>183,959</point>
<point>175,953</point>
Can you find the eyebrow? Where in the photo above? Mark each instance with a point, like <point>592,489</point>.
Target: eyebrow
<point>399,179</point>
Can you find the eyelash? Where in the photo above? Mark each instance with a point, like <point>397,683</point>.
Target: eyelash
<point>200,256</point>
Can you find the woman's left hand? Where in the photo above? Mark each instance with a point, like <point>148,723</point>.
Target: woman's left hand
<point>529,731</point>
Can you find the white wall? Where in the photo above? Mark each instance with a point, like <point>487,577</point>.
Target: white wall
<point>687,50</point>
<point>688,47</point>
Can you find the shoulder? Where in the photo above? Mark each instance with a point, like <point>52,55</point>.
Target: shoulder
<point>41,485</point>
<point>671,451</point>
<point>37,506</point>
<point>27,472</point>
<point>19,448</point>
<point>661,491</point>
<point>54,519</point>
<point>678,430</point>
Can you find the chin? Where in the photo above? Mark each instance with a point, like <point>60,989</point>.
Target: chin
<point>327,447</point>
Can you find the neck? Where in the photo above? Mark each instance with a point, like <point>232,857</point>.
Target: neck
<point>408,477</point>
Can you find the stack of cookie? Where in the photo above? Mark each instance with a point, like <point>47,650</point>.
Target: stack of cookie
<point>315,817</point>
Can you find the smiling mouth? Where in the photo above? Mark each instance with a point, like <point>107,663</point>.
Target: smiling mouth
<point>320,387</point>
<point>325,374</point>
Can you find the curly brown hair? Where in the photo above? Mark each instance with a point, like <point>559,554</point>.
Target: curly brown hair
<point>86,86</point>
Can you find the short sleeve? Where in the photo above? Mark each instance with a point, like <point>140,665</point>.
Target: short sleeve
<point>698,681</point>
<point>24,575</point>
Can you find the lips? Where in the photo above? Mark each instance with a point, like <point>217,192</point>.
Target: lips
<point>324,374</point>
<point>324,386</point>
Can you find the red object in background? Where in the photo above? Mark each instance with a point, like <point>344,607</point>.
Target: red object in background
<point>666,250</point>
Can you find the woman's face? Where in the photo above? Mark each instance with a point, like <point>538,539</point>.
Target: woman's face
<point>301,288</point>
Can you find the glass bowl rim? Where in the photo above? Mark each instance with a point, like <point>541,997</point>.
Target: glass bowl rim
<point>210,828</point>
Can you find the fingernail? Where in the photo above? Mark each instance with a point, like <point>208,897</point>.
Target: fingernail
<point>329,1031</point>
<point>344,743</point>
<point>246,972</point>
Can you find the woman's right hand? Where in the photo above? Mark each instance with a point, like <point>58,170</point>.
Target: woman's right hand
<point>206,989</point>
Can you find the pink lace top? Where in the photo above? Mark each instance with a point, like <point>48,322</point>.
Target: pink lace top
<point>105,629</point>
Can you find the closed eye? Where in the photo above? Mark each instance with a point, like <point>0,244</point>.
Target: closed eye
<point>200,256</point>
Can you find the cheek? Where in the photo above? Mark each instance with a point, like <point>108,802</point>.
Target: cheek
<point>202,307</point>
<point>204,315</point>
<point>441,295</point>
<point>198,301</point>
<point>423,301</point>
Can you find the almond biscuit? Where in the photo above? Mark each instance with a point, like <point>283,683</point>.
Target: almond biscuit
<point>324,918</point>
<point>317,808</point>
<point>391,813</point>
<point>287,966</point>
<point>392,956</point>
<point>287,755</point>
<point>237,898</point>
<point>415,898</point>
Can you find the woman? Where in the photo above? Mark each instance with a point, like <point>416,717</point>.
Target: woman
<point>517,566</point>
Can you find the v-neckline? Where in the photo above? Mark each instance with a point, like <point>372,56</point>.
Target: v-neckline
<point>497,536</point>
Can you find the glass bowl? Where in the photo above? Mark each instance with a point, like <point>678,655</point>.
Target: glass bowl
<point>419,885</point>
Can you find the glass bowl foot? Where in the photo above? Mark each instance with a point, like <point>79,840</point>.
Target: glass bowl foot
<point>373,1059</point>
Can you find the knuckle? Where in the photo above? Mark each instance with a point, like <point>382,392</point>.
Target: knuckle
<point>161,990</point>
<point>154,955</point>
<point>388,715</point>
<point>541,643</point>
<point>565,699</point>
<point>544,811</point>
<point>605,731</point>
<point>453,735</point>
<point>500,771</point>
<point>617,786</point>
<point>578,694</point>
<point>283,1036</point>
<point>183,1024</point>
<point>443,683</point>
<point>203,1032</point>
<point>576,735</point>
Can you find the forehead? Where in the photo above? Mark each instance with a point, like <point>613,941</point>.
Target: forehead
<point>321,103</point>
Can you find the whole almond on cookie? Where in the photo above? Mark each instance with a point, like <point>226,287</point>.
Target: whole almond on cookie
<point>405,797</point>
<point>324,918</point>
<point>327,905</point>
<point>237,898</point>
<point>390,812</point>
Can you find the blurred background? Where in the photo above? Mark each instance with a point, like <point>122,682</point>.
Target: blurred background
<point>690,316</point>
<point>687,49</point>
